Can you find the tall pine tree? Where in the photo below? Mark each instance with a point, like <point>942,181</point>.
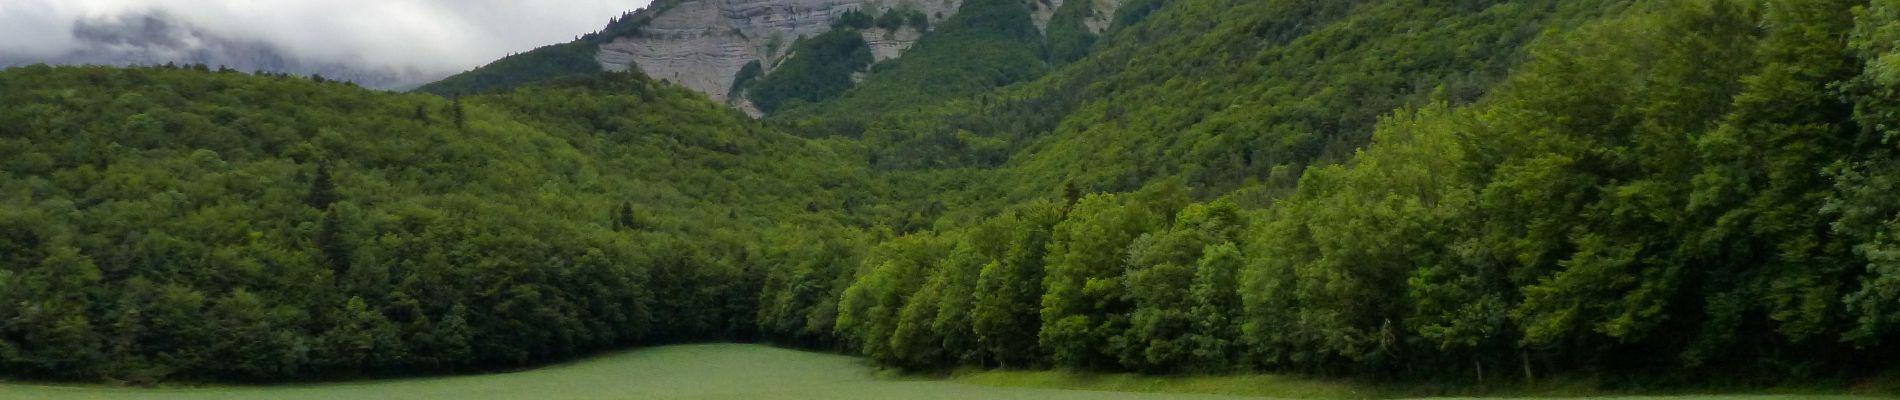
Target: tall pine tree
<point>322,189</point>
<point>331,249</point>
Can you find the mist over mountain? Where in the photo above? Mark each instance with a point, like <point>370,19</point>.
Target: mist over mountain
<point>156,37</point>
<point>382,44</point>
<point>1467,197</point>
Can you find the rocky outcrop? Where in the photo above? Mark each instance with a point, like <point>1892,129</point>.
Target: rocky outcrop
<point>691,44</point>
<point>1042,11</point>
<point>1102,12</point>
<point>888,44</point>
<point>702,44</point>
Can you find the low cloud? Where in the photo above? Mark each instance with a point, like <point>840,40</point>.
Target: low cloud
<point>437,36</point>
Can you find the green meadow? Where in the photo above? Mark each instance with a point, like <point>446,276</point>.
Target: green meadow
<point>748,372</point>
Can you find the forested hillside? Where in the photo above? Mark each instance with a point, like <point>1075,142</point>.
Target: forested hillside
<point>1636,193</point>
<point>546,63</point>
<point>177,223</point>
<point>1662,193</point>
<point>987,44</point>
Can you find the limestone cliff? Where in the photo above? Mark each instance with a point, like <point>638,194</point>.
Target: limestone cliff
<point>1103,13</point>
<point>888,44</point>
<point>702,44</point>
<point>1100,13</point>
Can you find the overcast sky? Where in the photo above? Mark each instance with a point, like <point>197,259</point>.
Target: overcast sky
<point>433,35</point>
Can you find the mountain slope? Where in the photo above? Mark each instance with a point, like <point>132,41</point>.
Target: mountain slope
<point>177,223</point>
<point>1632,194</point>
<point>1649,193</point>
<point>987,44</point>
<point>699,44</point>
<point>551,62</point>
<point>724,48</point>
<point>566,60</point>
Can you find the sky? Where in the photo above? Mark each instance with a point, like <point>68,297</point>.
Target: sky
<point>442,36</point>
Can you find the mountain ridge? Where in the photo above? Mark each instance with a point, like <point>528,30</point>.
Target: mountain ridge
<point>711,46</point>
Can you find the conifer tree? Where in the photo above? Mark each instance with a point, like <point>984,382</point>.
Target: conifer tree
<point>455,111</point>
<point>322,189</point>
<point>331,249</point>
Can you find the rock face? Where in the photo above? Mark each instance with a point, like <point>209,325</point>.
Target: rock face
<point>702,44</point>
<point>888,44</point>
<point>1042,11</point>
<point>1102,12</point>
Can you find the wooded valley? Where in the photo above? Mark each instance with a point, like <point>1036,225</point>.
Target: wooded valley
<point>1650,193</point>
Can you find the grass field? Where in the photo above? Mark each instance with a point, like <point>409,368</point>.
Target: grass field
<point>1274,386</point>
<point>737,371</point>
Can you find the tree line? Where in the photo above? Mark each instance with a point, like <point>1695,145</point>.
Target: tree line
<point>166,223</point>
<point>1667,193</point>
<point>1681,191</point>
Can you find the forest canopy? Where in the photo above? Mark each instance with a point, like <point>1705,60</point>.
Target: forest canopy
<point>1640,192</point>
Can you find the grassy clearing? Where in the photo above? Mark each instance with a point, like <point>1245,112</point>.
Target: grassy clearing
<point>711,372</point>
<point>1285,387</point>
<point>1238,385</point>
<point>752,372</point>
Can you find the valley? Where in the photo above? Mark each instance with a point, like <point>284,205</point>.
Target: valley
<point>1271,198</point>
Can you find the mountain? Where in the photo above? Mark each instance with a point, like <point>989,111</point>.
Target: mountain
<point>155,38</point>
<point>722,47</point>
<point>703,44</point>
<point>1624,193</point>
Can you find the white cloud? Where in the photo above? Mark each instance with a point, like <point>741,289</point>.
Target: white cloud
<point>26,27</point>
<point>431,35</point>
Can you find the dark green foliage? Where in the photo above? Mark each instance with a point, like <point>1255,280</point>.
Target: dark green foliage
<point>1861,202</point>
<point>1215,342</point>
<point>897,18</point>
<point>819,69</point>
<point>547,63</point>
<point>1087,306</point>
<point>629,23</point>
<point>455,112</point>
<point>1009,288</point>
<point>854,19</point>
<point>889,278</point>
<point>1069,35</point>
<point>799,298</point>
<point>550,62</point>
<point>625,217</point>
<point>50,327</point>
<point>1574,222</point>
<point>322,189</point>
<point>1642,193</point>
<point>1172,285</point>
<point>747,74</point>
<point>1243,88</point>
<point>1635,192</point>
<point>987,44</point>
<point>1133,11</point>
<point>148,237</point>
<point>333,247</point>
